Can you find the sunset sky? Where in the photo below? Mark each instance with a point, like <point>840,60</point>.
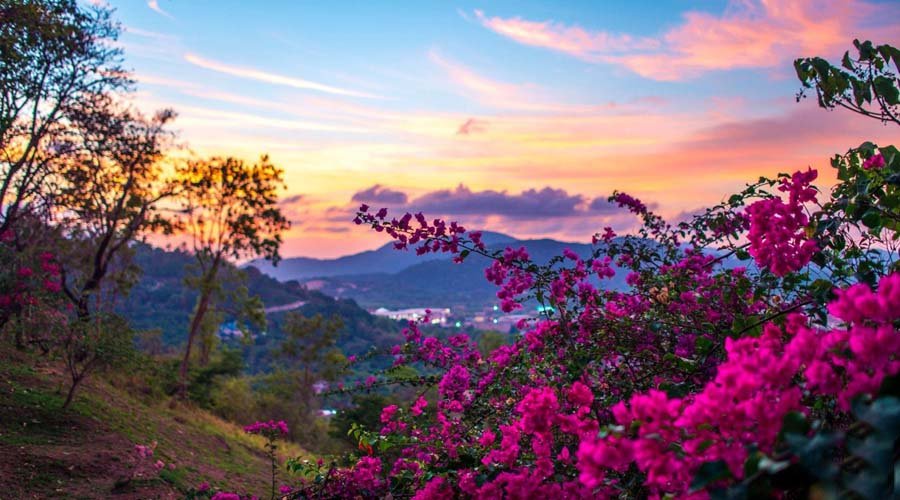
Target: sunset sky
<point>519,117</point>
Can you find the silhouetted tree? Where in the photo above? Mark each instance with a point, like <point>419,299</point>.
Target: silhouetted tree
<point>229,210</point>
<point>55,58</point>
<point>112,186</point>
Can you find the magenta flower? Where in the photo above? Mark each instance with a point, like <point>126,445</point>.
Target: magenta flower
<point>270,428</point>
<point>875,161</point>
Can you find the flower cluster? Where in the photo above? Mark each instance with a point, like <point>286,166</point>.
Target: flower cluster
<point>776,235</point>
<point>32,282</point>
<point>874,162</point>
<point>427,237</point>
<point>267,428</point>
<point>631,389</point>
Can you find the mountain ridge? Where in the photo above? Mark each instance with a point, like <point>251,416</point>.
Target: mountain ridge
<point>433,280</point>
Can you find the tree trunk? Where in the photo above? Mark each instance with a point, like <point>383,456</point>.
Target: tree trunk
<point>82,307</point>
<point>71,395</point>
<point>202,306</point>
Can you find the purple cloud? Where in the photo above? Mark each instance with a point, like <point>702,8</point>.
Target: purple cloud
<point>547,202</point>
<point>380,194</point>
<point>291,200</point>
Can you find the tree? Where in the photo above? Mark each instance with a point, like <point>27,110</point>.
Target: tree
<point>112,185</point>
<point>229,210</point>
<point>55,58</point>
<point>101,340</point>
<point>230,299</point>
<point>310,344</point>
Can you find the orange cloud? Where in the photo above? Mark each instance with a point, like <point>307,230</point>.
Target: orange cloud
<point>748,34</point>
<point>262,76</point>
<point>751,35</point>
<point>678,168</point>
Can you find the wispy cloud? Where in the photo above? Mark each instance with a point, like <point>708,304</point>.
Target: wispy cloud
<point>747,34</point>
<point>153,35</point>
<point>751,35</point>
<point>499,94</point>
<point>154,5</point>
<point>574,40</point>
<point>215,118</point>
<point>263,76</point>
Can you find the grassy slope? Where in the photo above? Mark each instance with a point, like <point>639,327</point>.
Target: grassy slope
<point>88,450</point>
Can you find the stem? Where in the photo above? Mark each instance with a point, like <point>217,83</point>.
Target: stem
<point>71,395</point>
<point>271,446</point>
<point>776,315</point>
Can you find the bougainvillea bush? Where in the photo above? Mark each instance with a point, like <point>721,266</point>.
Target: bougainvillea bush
<point>755,353</point>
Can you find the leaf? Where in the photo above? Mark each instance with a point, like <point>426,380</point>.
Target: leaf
<point>890,53</point>
<point>869,484</point>
<point>710,472</point>
<point>793,423</point>
<point>883,415</point>
<point>845,62</point>
<point>872,219</point>
<point>887,90</point>
<point>816,453</point>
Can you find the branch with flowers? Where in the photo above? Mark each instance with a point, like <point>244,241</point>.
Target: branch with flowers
<point>754,353</point>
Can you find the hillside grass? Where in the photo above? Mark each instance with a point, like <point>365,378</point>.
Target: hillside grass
<point>87,451</point>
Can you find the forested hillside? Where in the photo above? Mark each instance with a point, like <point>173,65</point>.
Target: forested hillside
<point>161,301</point>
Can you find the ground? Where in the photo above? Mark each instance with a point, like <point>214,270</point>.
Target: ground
<point>88,451</point>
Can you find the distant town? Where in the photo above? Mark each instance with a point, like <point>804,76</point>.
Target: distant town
<point>489,318</point>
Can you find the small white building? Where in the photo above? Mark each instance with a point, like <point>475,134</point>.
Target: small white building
<point>439,316</point>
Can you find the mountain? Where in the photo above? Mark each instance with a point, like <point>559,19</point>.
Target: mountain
<point>385,259</point>
<point>429,281</point>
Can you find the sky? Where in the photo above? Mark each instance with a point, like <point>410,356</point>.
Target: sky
<point>519,117</point>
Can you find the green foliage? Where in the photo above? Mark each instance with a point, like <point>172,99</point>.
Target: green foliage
<point>310,345</point>
<point>228,363</point>
<point>866,84</point>
<point>233,398</point>
<point>364,414</point>
<point>491,340</point>
<point>100,341</point>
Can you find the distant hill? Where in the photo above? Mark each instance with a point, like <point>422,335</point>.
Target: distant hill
<point>385,259</point>
<point>412,281</point>
<point>160,300</point>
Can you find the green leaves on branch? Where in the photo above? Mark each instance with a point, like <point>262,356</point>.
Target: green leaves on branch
<point>865,84</point>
